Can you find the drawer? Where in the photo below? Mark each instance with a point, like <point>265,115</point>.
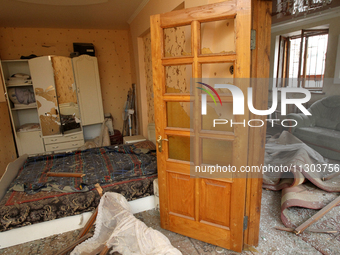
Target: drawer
<point>62,139</point>
<point>72,145</point>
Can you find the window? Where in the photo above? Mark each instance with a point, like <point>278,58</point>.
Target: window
<point>302,58</point>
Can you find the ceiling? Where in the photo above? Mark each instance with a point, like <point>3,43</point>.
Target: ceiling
<point>89,14</point>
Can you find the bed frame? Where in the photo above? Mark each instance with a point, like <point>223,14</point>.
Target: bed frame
<point>52,227</point>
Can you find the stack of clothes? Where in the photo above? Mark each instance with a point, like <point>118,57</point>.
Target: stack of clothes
<point>19,79</point>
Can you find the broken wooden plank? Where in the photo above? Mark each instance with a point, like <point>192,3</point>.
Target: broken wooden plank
<point>76,175</point>
<point>99,189</point>
<point>74,244</point>
<point>104,251</point>
<point>93,217</point>
<point>314,230</point>
<point>89,224</point>
<point>317,216</point>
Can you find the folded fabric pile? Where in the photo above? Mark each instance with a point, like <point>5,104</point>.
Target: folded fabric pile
<point>22,96</point>
<point>19,79</point>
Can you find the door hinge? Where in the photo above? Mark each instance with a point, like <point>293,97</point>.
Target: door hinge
<point>253,39</point>
<point>245,222</point>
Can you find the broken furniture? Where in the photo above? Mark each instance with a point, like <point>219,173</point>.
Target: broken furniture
<point>321,130</point>
<point>54,123</point>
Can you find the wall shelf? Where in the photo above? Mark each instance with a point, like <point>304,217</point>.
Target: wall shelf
<point>24,107</point>
<point>18,85</point>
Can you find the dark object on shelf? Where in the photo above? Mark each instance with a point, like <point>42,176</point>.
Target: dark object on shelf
<point>84,48</point>
<point>116,138</point>
<point>28,57</point>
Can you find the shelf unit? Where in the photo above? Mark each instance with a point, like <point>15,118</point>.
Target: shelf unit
<point>29,141</point>
<point>62,87</point>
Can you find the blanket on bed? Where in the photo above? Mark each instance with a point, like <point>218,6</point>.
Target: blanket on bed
<point>103,165</point>
<point>125,169</point>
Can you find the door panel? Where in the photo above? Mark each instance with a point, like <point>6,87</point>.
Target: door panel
<point>216,151</point>
<point>212,211</point>
<point>173,47</point>
<point>181,195</point>
<point>217,36</point>
<point>207,209</point>
<point>177,78</point>
<point>178,114</point>
<point>178,147</point>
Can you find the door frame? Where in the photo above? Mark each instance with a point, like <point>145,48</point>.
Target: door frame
<point>260,67</point>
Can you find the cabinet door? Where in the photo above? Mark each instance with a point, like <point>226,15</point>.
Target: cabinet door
<point>30,143</point>
<point>86,75</point>
<point>45,94</point>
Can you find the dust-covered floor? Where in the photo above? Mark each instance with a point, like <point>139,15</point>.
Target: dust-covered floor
<point>271,241</point>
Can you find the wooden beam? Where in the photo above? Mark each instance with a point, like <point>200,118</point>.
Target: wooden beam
<point>76,175</point>
<point>317,216</point>
<point>93,217</point>
<point>104,251</point>
<point>205,13</point>
<point>327,231</point>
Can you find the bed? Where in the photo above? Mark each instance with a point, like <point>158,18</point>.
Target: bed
<point>29,197</point>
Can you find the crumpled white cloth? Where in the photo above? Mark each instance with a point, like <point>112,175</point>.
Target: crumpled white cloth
<point>116,227</point>
<point>276,148</point>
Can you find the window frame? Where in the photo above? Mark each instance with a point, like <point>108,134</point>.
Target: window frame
<point>284,58</point>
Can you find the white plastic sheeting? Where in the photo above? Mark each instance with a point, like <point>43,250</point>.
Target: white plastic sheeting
<point>116,227</point>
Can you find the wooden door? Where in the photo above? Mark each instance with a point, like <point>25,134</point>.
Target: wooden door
<point>211,210</point>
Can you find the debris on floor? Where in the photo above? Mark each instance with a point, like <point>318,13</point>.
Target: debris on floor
<point>118,229</point>
<point>309,184</point>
